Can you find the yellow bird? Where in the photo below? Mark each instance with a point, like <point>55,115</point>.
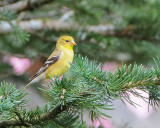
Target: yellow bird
<point>58,62</point>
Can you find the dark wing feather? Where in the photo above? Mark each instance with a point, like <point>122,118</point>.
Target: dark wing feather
<point>46,65</point>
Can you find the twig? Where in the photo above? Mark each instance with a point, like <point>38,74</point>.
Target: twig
<point>34,25</point>
<point>46,116</point>
<point>20,118</point>
<point>130,85</point>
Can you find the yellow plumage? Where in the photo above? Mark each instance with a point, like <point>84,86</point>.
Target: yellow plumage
<point>58,62</point>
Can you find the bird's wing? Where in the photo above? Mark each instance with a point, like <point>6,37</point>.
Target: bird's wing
<point>51,60</point>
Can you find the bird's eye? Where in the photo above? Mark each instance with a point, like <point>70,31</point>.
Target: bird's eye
<point>66,40</point>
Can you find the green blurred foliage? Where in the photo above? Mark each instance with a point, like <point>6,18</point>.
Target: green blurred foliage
<point>135,31</point>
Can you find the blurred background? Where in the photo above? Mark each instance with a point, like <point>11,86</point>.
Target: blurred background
<point>108,31</point>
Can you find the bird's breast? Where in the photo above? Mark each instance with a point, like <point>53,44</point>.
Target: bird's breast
<point>68,55</point>
<point>62,65</point>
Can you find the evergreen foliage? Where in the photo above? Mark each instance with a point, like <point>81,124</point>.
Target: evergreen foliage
<point>84,87</point>
<point>103,30</point>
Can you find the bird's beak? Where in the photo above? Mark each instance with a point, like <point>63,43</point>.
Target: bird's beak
<point>73,43</point>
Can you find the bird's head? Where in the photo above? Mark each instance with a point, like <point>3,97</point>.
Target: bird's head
<point>66,42</point>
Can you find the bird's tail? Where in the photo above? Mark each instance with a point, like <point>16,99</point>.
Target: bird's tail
<point>33,81</point>
<point>29,84</point>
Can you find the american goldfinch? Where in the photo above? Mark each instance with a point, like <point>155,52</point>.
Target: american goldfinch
<point>58,62</point>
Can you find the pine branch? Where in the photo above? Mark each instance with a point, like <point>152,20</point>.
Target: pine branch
<point>20,117</point>
<point>123,80</point>
<point>50,115</point>
<point>44,117</point>
<point>86,86</point>
<point>29,26</point>
<point>105,30</point>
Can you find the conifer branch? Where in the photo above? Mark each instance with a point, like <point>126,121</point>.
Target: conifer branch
<point>43,117</point>
<point>20,117</point>
<point>108,30</point>
<point>88,87</point>
<point>50,115</point>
